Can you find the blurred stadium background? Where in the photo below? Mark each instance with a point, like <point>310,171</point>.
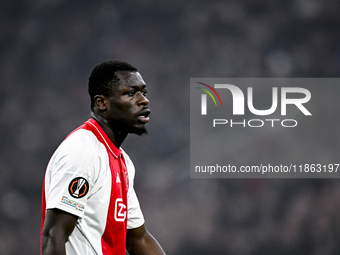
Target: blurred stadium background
<point>48,49</point>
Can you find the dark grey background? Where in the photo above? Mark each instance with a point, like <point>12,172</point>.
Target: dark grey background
<point>48,49</point>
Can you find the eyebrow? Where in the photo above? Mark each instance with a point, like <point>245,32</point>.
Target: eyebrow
<point>136,86</point>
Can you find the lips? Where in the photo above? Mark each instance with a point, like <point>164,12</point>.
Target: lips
<point>143,116</point>
<point>143,119</point>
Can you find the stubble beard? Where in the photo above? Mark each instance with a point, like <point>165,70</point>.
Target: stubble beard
<point>137,131</point>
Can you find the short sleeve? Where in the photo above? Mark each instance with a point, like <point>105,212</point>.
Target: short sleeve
<point>135,216</point>
<point>71,173</point>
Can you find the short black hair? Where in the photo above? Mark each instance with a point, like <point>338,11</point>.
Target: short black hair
<point>103,77</point>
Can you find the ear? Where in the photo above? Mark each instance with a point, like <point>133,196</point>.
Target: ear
<point>100,102</point>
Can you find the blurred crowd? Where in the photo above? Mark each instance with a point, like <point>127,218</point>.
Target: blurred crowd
<point>48,49</point>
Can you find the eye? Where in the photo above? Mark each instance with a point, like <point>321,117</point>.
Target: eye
<point>144,92</point>
<point>131,93</point>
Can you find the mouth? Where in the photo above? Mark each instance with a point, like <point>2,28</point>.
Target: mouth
<point>143,116</point>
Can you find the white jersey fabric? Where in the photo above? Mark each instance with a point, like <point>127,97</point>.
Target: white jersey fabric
<point>89,177</point>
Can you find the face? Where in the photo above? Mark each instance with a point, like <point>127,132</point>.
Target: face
<point>127,108</point>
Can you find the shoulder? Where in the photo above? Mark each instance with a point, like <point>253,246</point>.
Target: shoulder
<point>81,141</point>
<point>80,150</point>
<point>81,137</point>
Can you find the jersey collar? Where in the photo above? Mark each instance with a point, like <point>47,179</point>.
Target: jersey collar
<point>103,138</point>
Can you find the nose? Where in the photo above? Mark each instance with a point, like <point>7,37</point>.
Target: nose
<point>142,100</point>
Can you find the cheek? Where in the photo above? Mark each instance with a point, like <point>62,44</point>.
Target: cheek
<point>122,108</point>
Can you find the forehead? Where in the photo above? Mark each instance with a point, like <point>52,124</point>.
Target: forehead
<point>128,78</point>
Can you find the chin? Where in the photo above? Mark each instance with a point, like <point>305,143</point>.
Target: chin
<point>138,131</point>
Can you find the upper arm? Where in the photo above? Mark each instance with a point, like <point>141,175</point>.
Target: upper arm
<point>140,242</point>
<point>72,173</point>
<point>58,226</point>
<point>135,234</point>
<point>134,238</point>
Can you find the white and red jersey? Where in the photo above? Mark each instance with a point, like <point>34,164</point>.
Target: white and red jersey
<point>89,177</point>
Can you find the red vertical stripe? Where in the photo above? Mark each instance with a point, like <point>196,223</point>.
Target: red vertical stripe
<point>114,237</point>
<point>43,213</point>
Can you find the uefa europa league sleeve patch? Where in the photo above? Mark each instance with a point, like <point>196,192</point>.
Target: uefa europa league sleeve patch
<point>78,187</point>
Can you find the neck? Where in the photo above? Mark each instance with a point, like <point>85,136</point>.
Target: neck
<point>117,137</point>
